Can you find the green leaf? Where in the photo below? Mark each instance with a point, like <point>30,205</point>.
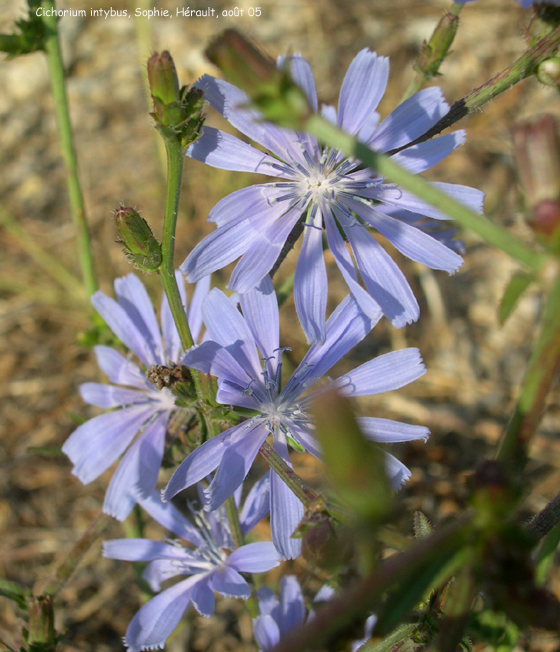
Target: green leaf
<point>417,586</point>
<point>517,285</point>
<point>355,468</point>
<point>494,629</point>
<point>422,527</point>
<point>15,592</point>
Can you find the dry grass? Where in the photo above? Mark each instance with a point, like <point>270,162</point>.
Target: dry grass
<point>474,364</point>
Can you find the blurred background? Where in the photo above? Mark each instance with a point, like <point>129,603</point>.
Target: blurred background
<point>474,364</point>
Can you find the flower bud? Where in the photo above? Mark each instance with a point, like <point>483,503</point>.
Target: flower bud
<point>271,89</point>
<point>537,150</point>
<point>140,246</point>
<point>162,75</point>
<point>177,110</point>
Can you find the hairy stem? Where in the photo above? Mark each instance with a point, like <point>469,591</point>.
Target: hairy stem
<point>519,70</point>
<point>58,88</point>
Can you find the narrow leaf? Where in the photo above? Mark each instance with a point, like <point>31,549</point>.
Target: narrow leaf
<point>517,285</point>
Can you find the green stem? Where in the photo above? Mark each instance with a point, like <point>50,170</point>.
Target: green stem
<point>167,270</point>
<point>234,525</point>
<point>524,67</point>
<point>434,51</point>
<point>491,232</point>
<point>53,585</point>
<point>543,366</point>
<point>304,493</point>
<point>49,263</point>
<point>285,289</point>
<point>58,88</point>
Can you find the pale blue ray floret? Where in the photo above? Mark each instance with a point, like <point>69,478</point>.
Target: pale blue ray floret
<point>213,564</point>
<point>244,353</point>
<point>140,407</point>
<point>329,191</point>
<point>278,617</point>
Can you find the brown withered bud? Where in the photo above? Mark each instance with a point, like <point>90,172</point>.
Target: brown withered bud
<point>323,542</point>
<point>537,151</point>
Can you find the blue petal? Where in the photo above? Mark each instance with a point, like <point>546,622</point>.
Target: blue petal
<point>226,326</point>
<point>263,252</point>
<point>257,504</point>
<point>202,461</point>
<point>302,74</point>
<point>109,396</point>
<point>266,632</point>
<point>229,582</point>
<point>226,243</point>
<point>424,156</point>
<point>385,431</point>
<point>383,279</point>
<point>346,266</point>
<point>159,571</point>
<point>228,100</point>
<point>211,358</point>
<point>268,603</point>
<point>347,326</point>
<point>383,374</point>
<point>254,200</point>
<point>194,315</point>
<point>133,298</point>
<point>293,608</point>
<point>203,597</point>
<point>143,550</point>
<point>157,619</point>
<point>310,286</point>
<point>362,89</point>
<point>97,443</point>
<point>137,472</point>
<point>220,150</point>
<point>410,241</point>
<point>260,310</point>
<point>286,511</point>
<point>397,472</point>
<point>123,327</point>
<point>119,369</point>
<point>471,197</point>
<point>254,558</point>
<point>236,463</point>
<point>167,515</point>
<point>410,120</point>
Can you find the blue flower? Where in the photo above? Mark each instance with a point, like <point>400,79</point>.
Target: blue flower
<point>279,617</point>
<point>212,566</point>
<point>99,442</point>
<point>233,354</point>
<point>328,191</point>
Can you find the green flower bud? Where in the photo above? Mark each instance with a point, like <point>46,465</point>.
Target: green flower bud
<point>140,246</point>
<point>162,75</point>
<point>177,111</point>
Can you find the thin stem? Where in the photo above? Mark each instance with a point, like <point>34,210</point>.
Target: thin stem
<point>46,261</point>
<point>285,289</point>
<point>167,270</point>
<point>58,88</point>
<point>538,379</point>
<point>524,67</point>
<point>434,51</point>
<point>491,232</point>
<point>65,569</point>
<point>234,525</point>
<point>304,493</point>
<point>543,522</point>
